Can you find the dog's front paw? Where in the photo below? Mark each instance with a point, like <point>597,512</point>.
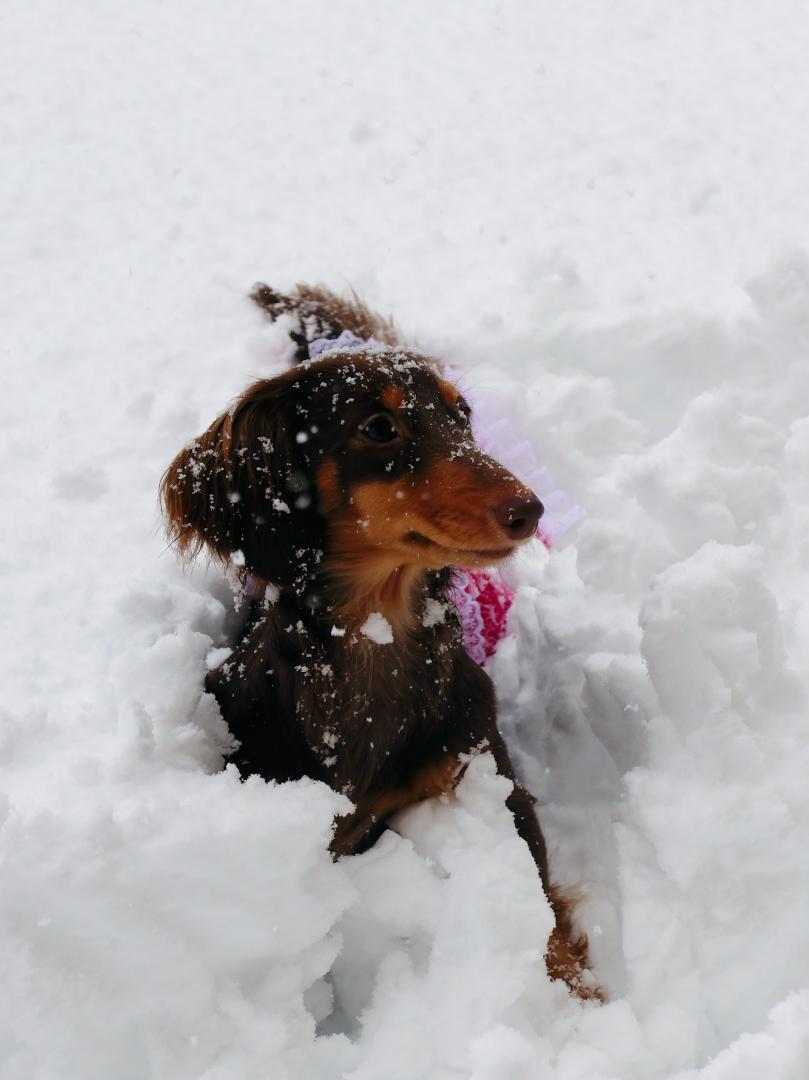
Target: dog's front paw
<point>439,778</point>
<point>567,957</point>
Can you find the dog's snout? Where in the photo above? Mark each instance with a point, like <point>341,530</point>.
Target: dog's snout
<point>519,517</point>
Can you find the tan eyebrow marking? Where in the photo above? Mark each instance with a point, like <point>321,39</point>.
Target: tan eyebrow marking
<point>392,397</point>
<point>448,392</point>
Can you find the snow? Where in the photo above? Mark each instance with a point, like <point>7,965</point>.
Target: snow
<point>377,629</point>
<point>434,612</point>
<point>598,212</point>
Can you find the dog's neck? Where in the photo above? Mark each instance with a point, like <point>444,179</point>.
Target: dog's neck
<point>395,594</point>
<point>344,598</point>
<point>340,592</point>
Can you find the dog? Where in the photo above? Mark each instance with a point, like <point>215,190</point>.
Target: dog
<point>347,489</point>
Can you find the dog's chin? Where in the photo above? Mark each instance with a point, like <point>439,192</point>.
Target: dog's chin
<point>438,554</point>
<point>478,560</point>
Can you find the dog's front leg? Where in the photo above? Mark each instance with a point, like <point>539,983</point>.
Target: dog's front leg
<point>567,955</point>
<point>356,831</point>
<point>475,712</point>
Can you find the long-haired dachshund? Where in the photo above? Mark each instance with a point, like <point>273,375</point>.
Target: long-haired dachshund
<point>349,487</point>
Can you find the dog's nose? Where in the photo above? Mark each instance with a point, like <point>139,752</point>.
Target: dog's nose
<point>518,518</point>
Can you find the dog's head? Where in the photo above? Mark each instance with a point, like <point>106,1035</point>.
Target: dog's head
<point>354,465</point>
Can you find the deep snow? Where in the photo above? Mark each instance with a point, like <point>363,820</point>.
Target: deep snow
<point>598,211</point>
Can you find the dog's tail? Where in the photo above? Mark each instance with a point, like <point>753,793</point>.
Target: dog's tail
<point>317,313</point>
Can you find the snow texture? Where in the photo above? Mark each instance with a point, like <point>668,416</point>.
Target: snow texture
<point>599,213</point>
<point>377,629</point>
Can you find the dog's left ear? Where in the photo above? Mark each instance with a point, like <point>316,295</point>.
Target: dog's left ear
<point>241,488</point>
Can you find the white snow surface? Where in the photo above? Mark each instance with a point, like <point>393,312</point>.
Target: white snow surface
<point>597,210</point>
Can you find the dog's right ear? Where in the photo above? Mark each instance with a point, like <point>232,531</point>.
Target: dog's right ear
<point>237,488</point>
<point>197,490</point>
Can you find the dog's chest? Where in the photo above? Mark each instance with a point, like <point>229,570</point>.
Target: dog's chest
<point>361,701</point>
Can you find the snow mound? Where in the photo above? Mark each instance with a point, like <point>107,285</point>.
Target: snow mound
<point>598,212</point>
<point>377,629</point>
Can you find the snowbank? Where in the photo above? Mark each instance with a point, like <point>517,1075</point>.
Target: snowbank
<point>600,215</point>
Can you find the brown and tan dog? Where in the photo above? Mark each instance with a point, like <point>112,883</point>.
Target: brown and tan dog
<point>350,486</point>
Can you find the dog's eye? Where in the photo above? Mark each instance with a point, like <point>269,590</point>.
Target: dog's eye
<point>379,429</point>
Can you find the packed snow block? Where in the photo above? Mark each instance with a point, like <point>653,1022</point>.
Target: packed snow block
<point>170,716</point>
<point>717,887</point>
<point>779,1051</point>
<point>448,938</point>
<point>716,476</point>
<point>780,295</point>
<point>794,560</point>
<point>192,913</point>
<point>712,639</point>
